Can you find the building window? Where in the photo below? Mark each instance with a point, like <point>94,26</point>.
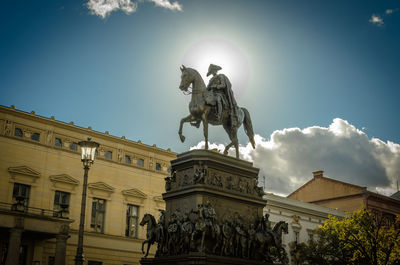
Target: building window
<point>169,170</point>
<point>158,166</point>
<point>61,201</point>
<point>128,159</point>
<point>58,142</point>
<point>108,155</point>
<point>18,132</point>
<point>73,146</point>
<point>98,212</point>
<point>21,194</point>
<point>52,260</point>
<point>131,221</point>
<point>296,237</point>
<point>387,221</point>
<point>35,137</point>
<point>140,162</point>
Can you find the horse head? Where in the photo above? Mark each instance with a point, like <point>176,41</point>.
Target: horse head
<point>186,79</point>
<point>280,227</point>
<point>148,219</point>
<point>145,219</point>
<point>190,76</point>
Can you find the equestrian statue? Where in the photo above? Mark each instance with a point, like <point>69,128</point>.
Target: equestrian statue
<point>214,104</point>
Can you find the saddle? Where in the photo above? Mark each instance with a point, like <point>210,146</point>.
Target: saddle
<point>211,97</point>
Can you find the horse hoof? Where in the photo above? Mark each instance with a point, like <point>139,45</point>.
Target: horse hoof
<point>182,138</point>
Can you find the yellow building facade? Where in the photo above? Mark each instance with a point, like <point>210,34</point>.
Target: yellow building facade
<point>41,176</point>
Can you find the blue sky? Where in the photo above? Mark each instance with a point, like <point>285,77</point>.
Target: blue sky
<point>300,64</point>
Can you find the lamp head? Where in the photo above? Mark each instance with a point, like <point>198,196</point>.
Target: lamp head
<point>88,148</point>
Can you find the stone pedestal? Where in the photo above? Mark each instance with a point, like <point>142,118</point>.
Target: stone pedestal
<point>228,183</point>
<point>213,208</point>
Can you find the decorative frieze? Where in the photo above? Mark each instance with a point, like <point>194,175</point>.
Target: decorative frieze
<point>200,174</point>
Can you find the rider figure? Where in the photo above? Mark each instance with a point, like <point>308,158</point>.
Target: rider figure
<point>267,223</point>
<point>209,215</point>
<point>222,88</point>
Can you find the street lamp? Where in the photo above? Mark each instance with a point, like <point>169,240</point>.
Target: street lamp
<point>88,152</point>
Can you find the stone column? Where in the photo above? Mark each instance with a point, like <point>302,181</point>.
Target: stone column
<point>61,245</point>
<point>14,246</point>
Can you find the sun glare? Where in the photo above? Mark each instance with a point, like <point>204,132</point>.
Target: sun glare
<point>223,53</point>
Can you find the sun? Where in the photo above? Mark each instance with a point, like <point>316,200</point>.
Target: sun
<point>223,53</point>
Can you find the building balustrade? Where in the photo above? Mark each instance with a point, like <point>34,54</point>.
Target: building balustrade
<point>20,207</point>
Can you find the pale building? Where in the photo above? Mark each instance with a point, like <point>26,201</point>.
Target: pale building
<point>41,177</point>
<point>303,218</point>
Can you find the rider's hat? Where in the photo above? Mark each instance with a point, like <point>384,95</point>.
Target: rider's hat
<point>213,68</point>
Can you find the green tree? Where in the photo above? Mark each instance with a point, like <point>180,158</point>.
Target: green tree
<point>358,239</point>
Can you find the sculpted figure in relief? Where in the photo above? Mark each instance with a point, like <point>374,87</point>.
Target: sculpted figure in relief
<point>7,128</point>
<point>200,174</point>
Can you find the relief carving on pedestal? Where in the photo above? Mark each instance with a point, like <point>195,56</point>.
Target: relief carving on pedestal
<point>203,230</point>
<point>200,174</point>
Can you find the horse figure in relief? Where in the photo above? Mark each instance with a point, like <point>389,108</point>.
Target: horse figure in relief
<point>152,232</point>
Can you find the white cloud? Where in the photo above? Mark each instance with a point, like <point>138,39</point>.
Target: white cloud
<point>389,11</point>
<point>103,8</point>
<point>377,20</point>
<point>167,4</point>
<point>344,152</point>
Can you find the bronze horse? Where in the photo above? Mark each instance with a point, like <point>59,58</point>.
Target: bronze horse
<point>267,239</point>
<point>200,111</point>
<point>151,233</point>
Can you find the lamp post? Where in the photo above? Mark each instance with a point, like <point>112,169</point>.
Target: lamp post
<point>88,152</point>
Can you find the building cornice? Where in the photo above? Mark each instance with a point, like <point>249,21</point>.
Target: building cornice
<point>87,131</point>
<point>301,207</point>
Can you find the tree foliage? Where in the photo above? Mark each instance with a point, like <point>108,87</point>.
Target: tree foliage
<point>358,239</point>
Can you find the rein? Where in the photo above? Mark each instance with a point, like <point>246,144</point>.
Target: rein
<point>189,92</point>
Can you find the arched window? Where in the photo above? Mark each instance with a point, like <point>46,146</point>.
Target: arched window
<point>140,162</point>
<point>58,142</point>
<point>35,137</point>
<point>128,159</point>
<point>73,146</point>
<point>108,155</point>
<point>158,166</point>
<point>18,132</point>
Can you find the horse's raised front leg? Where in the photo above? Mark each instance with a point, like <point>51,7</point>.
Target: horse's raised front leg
<point>144,242</point>
<point>186,119</point>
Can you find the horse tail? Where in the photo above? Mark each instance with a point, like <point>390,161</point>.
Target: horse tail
<point>248,127</point>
